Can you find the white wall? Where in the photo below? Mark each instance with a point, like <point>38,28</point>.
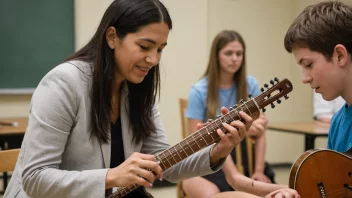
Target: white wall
<point>183,60</point>
<point>263,24</point>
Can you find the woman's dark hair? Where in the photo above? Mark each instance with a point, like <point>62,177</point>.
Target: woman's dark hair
<point>127,16</point>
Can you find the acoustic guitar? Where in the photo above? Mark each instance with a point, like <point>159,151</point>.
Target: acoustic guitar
<point>322,173</point>
<point>207,135</point>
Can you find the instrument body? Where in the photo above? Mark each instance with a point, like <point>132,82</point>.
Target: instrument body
<point>322,173</point>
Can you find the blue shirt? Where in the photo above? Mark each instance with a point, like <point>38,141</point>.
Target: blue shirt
<point>197,100</point>
<point>340,133</point>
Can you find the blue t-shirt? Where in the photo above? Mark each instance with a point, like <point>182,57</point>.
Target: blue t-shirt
<point>197,100</point>
<point>340,133</point>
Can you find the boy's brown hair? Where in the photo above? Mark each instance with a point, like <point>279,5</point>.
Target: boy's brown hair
<point>320,27</point>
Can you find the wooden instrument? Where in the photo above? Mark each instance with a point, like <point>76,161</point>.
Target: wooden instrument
<point>207,135</point>
<point>322,173</point>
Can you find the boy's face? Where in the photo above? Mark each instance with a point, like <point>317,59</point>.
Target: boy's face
<point>322,75</point>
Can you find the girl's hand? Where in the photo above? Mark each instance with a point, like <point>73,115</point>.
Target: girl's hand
<point>258,127</point>
<point>260,177</point>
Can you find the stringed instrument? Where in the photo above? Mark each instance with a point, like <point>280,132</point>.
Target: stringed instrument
<point>207,135</point>
<point>322,173</point>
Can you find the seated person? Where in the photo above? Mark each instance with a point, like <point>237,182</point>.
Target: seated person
<point>324,110</point>
<point>224,83</point>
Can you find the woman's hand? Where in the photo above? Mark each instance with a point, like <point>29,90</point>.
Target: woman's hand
<point>259,176</point>
<point>134,170</point>
<point>283,193</point>
<point>236,131</point>
<point>258,127</point>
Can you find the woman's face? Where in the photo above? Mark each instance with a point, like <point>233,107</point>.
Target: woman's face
<point>231,57</point>
<point>138,52</point>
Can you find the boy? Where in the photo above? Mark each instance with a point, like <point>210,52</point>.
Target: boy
<point>320,39</point>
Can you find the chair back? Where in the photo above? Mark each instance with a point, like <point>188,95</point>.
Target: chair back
<point>183,107</point>
<point>8,159</point>
<point>184,133</point>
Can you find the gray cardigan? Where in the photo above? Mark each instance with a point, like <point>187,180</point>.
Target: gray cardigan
<point>59,157</point>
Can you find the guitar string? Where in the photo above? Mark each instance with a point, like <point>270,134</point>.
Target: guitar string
<point>201,132</point>
<point>260,100</point>
<point>196,135</point>
<point>169,155</point>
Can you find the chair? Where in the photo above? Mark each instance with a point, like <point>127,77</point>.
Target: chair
<point>183,106</point>
<point>8,159</point>
<point>249,147</point>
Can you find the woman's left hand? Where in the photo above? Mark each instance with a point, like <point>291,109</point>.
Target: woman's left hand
<point>235,132</point>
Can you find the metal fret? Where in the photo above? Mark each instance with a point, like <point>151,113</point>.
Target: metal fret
<point>172,156</point>
<point>189,145</point>
<point>183,149</point>
<point>166,159</point>
<point>195,140</point>
<point>209,133</point>
<point>178,153</point>
<point>248,109</point>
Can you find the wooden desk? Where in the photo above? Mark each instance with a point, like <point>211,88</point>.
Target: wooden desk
<point>12,136</point>
<point>13,130</point>
<point>310,130</point>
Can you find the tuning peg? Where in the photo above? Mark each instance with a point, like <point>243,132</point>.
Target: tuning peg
<point>262,89</point>
<point>264,110</point>
<point>278,101</point>
<point>231,108</point>
<point>266,85</point>
<point>272,105</point>
<point>218,116</point>
<point>250,96</point>
<point>286,97</point>
<point>272,82</point>
<point>235,106</point>
<point>276,79</point>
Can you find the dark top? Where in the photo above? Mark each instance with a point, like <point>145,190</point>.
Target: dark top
<point>118,156</point>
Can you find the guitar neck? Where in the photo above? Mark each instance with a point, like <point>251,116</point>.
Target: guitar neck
<point>203,137</point>
<point>196,141</point>
<point>208,135</point>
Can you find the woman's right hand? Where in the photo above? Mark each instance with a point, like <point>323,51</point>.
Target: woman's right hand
<point>134,170</point>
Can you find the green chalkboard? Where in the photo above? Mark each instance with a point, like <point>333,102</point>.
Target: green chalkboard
<point>35,36</point>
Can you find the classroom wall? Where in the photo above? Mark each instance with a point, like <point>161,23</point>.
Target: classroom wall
<point>263,24</point>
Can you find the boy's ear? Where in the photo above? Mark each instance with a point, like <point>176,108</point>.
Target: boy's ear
<point>111,36</point>
<point>341,54</point>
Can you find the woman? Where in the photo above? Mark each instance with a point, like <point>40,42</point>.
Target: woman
<point>94,123</point>
<point>224,83</point>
